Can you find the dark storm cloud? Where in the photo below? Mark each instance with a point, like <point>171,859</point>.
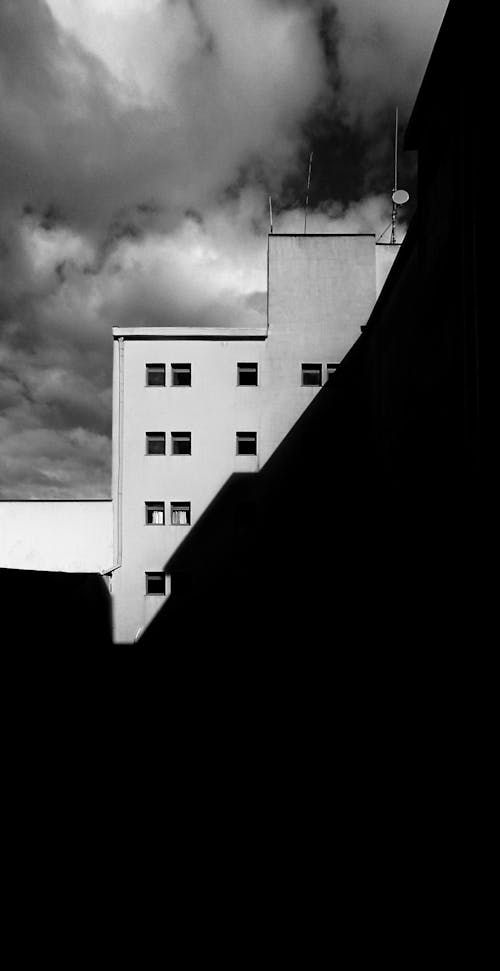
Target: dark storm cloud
<point>140,139</point>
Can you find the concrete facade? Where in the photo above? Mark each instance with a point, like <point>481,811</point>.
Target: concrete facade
<point>57,535</point>
<point>321,291</point>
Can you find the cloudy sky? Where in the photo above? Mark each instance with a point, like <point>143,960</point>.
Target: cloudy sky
<point>139,141</point>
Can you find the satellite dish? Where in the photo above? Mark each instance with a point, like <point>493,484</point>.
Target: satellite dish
<point>400,196</point>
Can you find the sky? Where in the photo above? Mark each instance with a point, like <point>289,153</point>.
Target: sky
<point>139,143</point>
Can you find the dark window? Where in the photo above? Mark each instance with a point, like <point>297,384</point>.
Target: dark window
<point>155,443</point>
<point>247,373</point>
<point>155,513</point>
<point>181,583</point>
<point>181,443</point>
<point>155,375</point>
<point>155,583</point>
<point>311,374</point>
<point>246,443</point>
<point>330,369</point>
<point>180,513</point>
<point>181,375</point>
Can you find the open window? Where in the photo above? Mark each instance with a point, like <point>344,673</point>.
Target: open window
<point>155,443</point>
<point>155,584</point>
<point>181,375</point>
<point>155,375</point>
<point>181,443</point>
<point>246,443</point>
<point>311,375</point>
<point>155,514</point>
<point>248,374</point>
<point>180,513</point>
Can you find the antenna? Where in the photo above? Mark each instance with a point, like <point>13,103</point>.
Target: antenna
<point>271,213</point>
<point>307,191</point>
<point>399,196</point>
<point>396,151</point>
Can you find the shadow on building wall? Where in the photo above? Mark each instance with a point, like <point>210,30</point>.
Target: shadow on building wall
<point>358,543</point>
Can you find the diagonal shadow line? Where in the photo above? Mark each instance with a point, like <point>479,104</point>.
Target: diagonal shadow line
<point>330,420</point>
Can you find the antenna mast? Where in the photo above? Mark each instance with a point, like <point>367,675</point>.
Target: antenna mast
<point>307,192</point>
<point>399,196</point>
<point>395,189</point>
<point>271,213</point>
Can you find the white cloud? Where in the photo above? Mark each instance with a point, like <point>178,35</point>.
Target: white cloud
<point>383,48</point>
<point>139,141</point>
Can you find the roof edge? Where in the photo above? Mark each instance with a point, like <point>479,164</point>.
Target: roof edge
<point>207,333</point>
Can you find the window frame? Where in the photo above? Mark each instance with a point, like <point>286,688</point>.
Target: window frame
<point>155,593</point>
<point>150,503</point>
<point>330,370</point>
<point>182,370</point>
<point>180,506</point>
<point>312,368</point>
<point>149,438</point>
<point>176,437</point>
<point>245,436</point>
<point>244,367</point>
<point>149,371</point>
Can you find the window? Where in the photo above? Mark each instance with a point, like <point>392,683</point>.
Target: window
<point>311,374</point>
<point>155,583</point>
<point>180,513</point>
<point>181,375</point>
<point>155,513</point>
<point>331,368</point>
<point>247,373</point>
<point>181,443</point>
<point>155,443</point>
<point>155,375</point>
<point>246,443</point>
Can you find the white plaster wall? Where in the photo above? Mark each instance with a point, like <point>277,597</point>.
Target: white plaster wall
<point>66,537</point>
<point>213,409</point>
<point>321,291</point>
<point>385,255</point>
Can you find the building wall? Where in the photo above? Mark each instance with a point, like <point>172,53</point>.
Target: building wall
<point>56,535</point>
<point>386,254</point>
<point>321,291</point>
<point>212,409</point>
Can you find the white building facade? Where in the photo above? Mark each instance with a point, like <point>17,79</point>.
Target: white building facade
<point>192,406</point>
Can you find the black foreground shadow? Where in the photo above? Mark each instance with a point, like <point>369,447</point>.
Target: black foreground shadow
<point>46,610</point>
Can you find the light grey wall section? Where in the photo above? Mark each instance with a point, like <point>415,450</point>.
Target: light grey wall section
<point>66,537</point>
<point>385,255</point>
<point>213,409</point>
<point>321,291</point>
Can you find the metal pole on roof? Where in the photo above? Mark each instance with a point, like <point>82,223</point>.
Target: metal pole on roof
<point>394,207</point>
<point>307,192</point>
